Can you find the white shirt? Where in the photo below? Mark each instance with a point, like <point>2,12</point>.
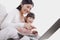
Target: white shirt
<point>12,20</point>
<point>8,32</point>
<point>10,24</point>
<point>3,13</point>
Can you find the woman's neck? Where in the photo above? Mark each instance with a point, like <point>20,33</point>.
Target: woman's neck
<point>21,13</point>
<point>21,17</point>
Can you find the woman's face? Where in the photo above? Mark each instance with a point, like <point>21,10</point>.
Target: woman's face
<point>26,8</point>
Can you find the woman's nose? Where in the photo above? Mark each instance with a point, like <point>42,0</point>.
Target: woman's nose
<point>28,10</point>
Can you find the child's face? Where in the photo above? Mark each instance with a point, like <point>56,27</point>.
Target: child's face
<point>30,20</point>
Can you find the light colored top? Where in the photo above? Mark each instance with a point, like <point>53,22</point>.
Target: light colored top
<point>2,13</point>
<point>12,20</point>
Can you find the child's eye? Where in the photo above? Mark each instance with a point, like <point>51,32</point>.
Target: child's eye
<point>28,7</point>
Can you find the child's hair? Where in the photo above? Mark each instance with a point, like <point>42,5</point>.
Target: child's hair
<point>30,14</point>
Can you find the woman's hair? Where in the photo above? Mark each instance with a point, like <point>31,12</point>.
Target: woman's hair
<point>25,2</point>
<point>30,15</point>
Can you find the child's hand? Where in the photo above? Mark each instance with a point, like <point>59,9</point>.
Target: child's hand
<point>34,32</point>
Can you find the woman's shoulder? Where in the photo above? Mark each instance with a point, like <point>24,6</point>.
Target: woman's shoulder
<point>13,12</point>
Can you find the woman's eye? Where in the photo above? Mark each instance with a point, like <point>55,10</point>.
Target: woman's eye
<point>28,7</point>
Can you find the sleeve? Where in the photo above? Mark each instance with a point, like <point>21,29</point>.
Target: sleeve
<point>16,25</point>
<point>8,22</point>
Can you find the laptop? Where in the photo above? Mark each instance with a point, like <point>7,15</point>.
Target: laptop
<point>51,30</point>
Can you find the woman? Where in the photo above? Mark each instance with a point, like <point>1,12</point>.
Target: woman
<point>16,17</point>
<point>15,20</point>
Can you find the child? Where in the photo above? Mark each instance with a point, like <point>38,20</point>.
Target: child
<point>29,19</point>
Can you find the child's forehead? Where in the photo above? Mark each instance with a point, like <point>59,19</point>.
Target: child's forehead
<point>30,17</point>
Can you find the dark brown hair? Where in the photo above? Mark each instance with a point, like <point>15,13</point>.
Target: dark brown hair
<point>30,15</point>
<point>25,2</point>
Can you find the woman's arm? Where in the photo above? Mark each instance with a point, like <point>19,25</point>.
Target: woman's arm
<point>8,22</point>
<point>24,31</point>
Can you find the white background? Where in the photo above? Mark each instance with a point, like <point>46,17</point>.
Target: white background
<point>47,12</point>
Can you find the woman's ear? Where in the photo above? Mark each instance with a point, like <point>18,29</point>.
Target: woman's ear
<point>21,5</point>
